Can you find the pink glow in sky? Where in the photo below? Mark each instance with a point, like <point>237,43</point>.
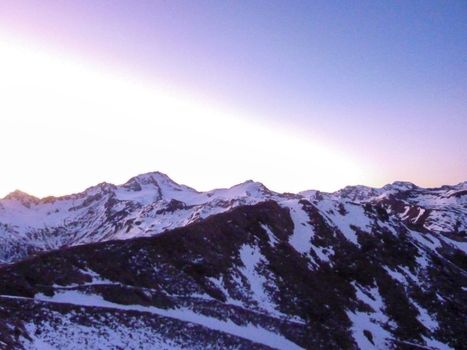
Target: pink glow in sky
<point>296,95</point>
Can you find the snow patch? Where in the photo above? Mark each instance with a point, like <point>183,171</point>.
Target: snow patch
<point>355,216</point>
<point>372,322</point>
<point>272,237</point>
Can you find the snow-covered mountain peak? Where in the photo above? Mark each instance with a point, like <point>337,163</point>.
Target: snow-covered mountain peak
<point>245,192</point>
<point>399,186</point>
<point>151,178</point>
<point>250,188</point>
<point>156,180</point>
<point>361,193</point>
<point>153,187</point>
<point>357,192</point>
<point>103,187</point>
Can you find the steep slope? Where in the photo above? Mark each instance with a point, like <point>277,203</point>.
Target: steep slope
<point>313,274</point>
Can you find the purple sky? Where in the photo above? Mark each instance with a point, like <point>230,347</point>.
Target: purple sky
<point>383,81</point>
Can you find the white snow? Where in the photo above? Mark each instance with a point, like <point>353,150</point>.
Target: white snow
<point>303,233</point>
<point>462,246</point>
<point>422,260</point>
<point>436,344</point>
<point>425,318</point>
<point>324,254</point>
<point>249,331</point>
<point>396,276</point>
<point>272,237</point>
<point>251,258</point>
<point>370,321</point>
<point>219,283</point>
<point>426,239</point>
<point>406,211</point>
<point>110,334</point>
<point>355,216</point>
<point>421,211</point>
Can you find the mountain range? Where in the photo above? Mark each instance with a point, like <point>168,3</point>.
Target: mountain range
<point>152,264</point>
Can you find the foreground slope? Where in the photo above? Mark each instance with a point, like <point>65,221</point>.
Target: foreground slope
<point>316,273</point>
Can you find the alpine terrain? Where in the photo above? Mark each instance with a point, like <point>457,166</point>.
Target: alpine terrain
<point>152,264</point>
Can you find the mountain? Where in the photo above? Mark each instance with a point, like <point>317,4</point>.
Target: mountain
<point>156,265</point>
<point>152,203</point>
<point>146,205</point>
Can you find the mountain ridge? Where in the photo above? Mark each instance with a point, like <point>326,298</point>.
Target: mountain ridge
<point>151,203</point>
<point>162,175</point>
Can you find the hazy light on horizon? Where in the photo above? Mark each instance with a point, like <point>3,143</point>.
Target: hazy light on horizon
<point>66,125</point>
<point>298,95</point>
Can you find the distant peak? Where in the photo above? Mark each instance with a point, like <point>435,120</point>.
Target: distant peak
<point>104,186</point>
<point>400,185</point>
<point>150,178</point>
<point>251,186</point>
<point>251,183</point>
<point>461,185</point>
<point>22,197</point>
<point>155,175</point>
<point>356,188</point>
<point>356,192</point>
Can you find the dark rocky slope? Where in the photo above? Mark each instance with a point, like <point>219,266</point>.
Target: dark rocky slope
<point>303,274</point>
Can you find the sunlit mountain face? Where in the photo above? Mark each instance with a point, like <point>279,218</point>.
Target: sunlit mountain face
<point>242,267</point>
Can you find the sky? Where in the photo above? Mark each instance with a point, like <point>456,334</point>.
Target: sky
<point>295,94</point>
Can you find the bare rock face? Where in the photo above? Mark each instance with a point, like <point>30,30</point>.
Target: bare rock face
<point>156,265</point>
